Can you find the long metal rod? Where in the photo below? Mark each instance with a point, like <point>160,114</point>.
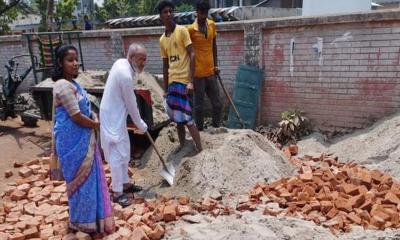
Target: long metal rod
<point>32,60</point>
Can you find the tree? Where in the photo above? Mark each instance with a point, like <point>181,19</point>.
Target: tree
<point>9,12</point>
<point>49,19</point>
<point>184,7</point>
<point>64,11</point>
<point>40,7</point>
<point>114,9</point>
<point>147,7</point>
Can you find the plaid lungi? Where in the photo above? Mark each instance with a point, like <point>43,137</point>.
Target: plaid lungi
<point>178,104</point>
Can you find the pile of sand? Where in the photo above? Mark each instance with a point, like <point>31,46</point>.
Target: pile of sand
<point>232,162</point>
<point>254,225</point>
<point>375,147</point>
<point>148,81</point>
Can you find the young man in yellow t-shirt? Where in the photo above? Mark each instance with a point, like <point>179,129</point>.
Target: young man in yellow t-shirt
<point>178,68</point>
<point>203,34</point>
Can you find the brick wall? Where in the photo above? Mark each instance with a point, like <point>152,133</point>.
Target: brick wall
<point>354,82</point>
<point>351,82</point>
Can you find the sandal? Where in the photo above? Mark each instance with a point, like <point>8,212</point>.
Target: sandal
<point>132,188</point>
<point>122,200</point>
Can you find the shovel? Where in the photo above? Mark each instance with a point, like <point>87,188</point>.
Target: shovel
<point>230,101</point>
<point>168,171</point>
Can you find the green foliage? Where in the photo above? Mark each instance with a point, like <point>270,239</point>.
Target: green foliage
<point>184,7</point>
<point>6,19</point>
<point>115,8</point>
<point>9,12</point>
<point>293,126</point>
<point>147,7</point>
<point>64,10</point>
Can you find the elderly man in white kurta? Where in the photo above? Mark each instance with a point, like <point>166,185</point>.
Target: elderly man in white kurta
<point>117,102</point>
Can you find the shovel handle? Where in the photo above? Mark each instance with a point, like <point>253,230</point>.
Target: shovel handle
<point>155,149</point>
<point>230,100</point>
<point>152,144</point>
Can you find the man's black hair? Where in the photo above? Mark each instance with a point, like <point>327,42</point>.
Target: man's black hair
<point>203,6</point>
<point>163,4</point>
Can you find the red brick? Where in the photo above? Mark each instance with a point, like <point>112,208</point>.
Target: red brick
<point>326,206</point>
<point>209,204</point>
<point>31,233</point>
<point>18,195</point>
<point>256,192</point>
<point>183,210</point>
<point>32,162</point>
<point>124,232</point>
<point>157,233</point>
<point>8,174</point>
<point>332,213</point>
<point>390,197</point>
<point>343,204</point>
<point>354,218</point>
<point>293,149</point>
<point>357,201</point>
<point>17,236</point>
<point>306,176</point>
<point>184,200</point>
<point>349,189</point>
<point>25,172</point>
<point>376,176</point>
<point>18,164</point>
<point>170,213</point>
<point>139,234</point>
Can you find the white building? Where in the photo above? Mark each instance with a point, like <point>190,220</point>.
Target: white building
<point>324,7</point>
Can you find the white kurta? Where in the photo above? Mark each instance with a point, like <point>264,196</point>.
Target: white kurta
<point>117,102</point>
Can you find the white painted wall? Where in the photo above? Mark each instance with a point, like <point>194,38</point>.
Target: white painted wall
<point>322,7</point>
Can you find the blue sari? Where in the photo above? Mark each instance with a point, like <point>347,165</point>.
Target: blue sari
<point>89,203</point>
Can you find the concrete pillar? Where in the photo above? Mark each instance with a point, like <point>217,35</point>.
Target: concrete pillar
<point>253,45</point>
<point>117,46</point>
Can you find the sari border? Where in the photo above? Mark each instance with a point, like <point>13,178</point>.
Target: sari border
<point>84,170</point>
<point>105,225</point>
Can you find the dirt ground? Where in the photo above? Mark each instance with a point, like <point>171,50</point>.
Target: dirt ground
<point>22,144</point>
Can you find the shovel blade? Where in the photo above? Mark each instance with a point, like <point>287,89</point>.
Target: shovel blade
<point>171,169</point>
<point>167,176</point>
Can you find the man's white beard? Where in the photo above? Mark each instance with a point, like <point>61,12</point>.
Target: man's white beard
<point>136,68</point>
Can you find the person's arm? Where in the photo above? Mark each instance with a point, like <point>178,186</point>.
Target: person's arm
<point>84,121</point>
<point>129,97</point>
<point>215,53</point>
<point>187,42</point>
<point>165,73</point>
<point>215,49</point>
<point>190,51</point>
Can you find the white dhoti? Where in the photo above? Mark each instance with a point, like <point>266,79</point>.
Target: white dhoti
<point>117,102</point>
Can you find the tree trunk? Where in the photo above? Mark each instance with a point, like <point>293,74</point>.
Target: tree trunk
<point>49,20</point>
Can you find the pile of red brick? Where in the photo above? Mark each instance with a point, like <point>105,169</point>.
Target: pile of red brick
<point>35,207</point>
<point>333,194</point>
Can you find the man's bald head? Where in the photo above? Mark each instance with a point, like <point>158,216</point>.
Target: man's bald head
<point>137,56</point>
<point>136,48</point>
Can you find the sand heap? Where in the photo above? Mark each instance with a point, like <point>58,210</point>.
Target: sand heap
<point>376,147</point>
<point>232,162</point>
<point>148,81</point>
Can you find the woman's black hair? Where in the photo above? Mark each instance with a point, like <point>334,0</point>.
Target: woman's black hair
<point>203,6</point>
<point>163,4</point>
<point>60,53</point>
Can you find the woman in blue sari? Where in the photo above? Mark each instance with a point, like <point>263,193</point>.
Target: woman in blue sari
<point>80,162</point>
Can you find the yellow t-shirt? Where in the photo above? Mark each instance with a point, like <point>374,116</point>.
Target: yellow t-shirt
<point>174,48</point>
<point>203,48</point>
